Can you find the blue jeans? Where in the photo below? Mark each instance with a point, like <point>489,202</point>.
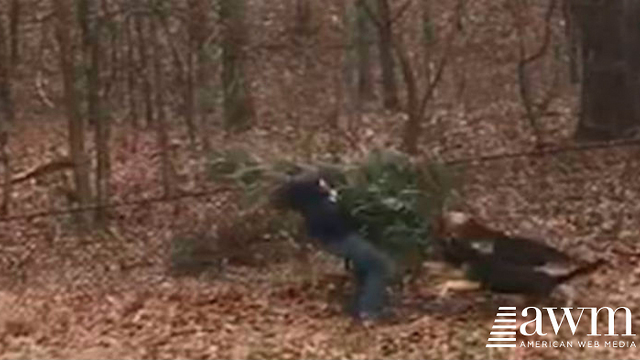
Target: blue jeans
<point>372,269</point>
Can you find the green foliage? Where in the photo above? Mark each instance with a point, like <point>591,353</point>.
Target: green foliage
<point>235,164</point>
<point>394,200</point>
<point>391,198</point>
<point>238,167</point>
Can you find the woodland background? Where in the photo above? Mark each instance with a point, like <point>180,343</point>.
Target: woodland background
<point>110,111</point>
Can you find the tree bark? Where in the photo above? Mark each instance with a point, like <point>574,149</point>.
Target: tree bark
<point>96,113</point>
<point>7,188</point>
<point>197,33</point>
<point>64,21</point>
<point>144,67</point>
<point>385,49</point>
<point>610,87</point>
<point>573,41</point>
<point>304,14</point>
<point>6,99</point>
<point>413,127</point>
<point>202,72</point>
<point>132,83</point>
<point>14,32</point>
<point>160,121</point>
<point>364,40</point>
<point>6,117</point>
<point>238,104</point>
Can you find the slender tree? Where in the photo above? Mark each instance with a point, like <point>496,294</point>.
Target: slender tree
<point>238,104</point>
<point>364,39</point>
<point>160,120</point>
<point>6,98</point>
<point>387,62</point>
<point>610,40</point>
<point>304,16</point>
<point>15,10</point>
<point>145,73</point>
<point>96,114</point>
<point>6,117</point>
<point>64,23</point>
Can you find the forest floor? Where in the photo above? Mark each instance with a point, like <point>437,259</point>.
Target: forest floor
<point>109,296</point>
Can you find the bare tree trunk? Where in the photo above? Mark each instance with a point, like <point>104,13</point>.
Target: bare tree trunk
<point>144,67</point>
<point>333,118</point>
<point>610,86</point>
<point>113,86</point>
<point>189,110</point>
<point>238,105</point>
<point>14,32</point>
<point>131,75</point>
<point>85,10</point>
<point>64,21</point>
<point>7,188</point>
<point>96,113</point>
<point>196,31</point>
<point>160,124</point>
<point>417,101</point>
<point>413,127</point>
<point>385,48</point>
<point>573,41</point>
<point>198,61</point>
<point>6,98</point>
<point>364,40</point>
<point>428,38</point>
<point>6,117</point>
<point>304,14</point>
<point>533,109</point>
